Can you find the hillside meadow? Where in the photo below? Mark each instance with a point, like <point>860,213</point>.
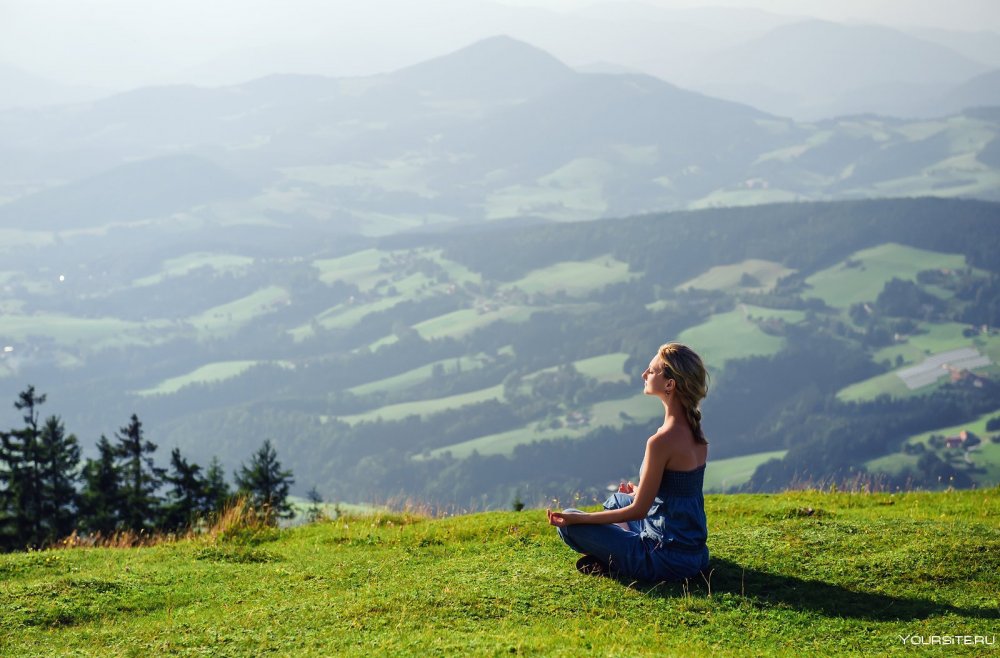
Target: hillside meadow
<point>804,573</point>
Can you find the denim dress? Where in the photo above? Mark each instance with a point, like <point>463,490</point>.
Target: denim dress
<point>669,544</point>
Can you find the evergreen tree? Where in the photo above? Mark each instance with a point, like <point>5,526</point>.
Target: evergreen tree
<point>140,478</point>
<point>100,499</point>
<point>216,492</point>
<point>20,472</point>
<point>315,512</point>
<point>186,497</point>
<point>59,459</point>
<point>266,484</point>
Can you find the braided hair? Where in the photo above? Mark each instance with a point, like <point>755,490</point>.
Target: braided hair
<point>686,368</point>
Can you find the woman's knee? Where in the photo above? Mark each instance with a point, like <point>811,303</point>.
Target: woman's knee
<point>618,501</point>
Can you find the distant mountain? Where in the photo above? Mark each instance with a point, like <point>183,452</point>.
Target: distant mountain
<point>20,89</point>
<point>497,130</point>
<point>983,46</point>
<point>982,90</point>
<point>141,190</point>
<point>494,69</point>
<point>826,67</point>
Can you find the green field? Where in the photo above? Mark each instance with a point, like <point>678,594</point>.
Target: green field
<point>735,335</point>
<point>721,475</point>
<point>360,268</point>
<point>575,278</point>
<point>426,407</point>
<point>727,277</point>
<point>459,323</point>
<point>206,374</point>
<point>415,376</point>
<point>985,456</point>
<point>845,284</point>
<point>797,574</point>
<point>888,383</point>
<point>603,368</point>
<point>609,413</point>
<point>227,318</point>
<point>180,266</point>
<point>574,191</point>
<point>937,338</point>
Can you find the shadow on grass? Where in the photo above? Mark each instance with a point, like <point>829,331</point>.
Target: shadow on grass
<point>769,589</point>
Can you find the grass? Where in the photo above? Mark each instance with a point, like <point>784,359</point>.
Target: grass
<point>722,475</point>
<point>415,376</point>
<point>460,323</point>
<point>727,277</point>
<point>609,413</point>
<point>986,456</point>
<point>735,335</point>
<point>795,574</point>
<point>227,318</point>
<point>937,338</point>
<point>842,285</point>
<point>425,408</point>
<point>180,266</point>
<point>575,191</point>
<point>888,383</point>
<point>209,373</point>
<point>575,278</point>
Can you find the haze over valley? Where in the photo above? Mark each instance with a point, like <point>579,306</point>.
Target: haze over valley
<point>436,274</point>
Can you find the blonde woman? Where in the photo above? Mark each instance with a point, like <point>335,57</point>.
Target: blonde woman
<point>655,530</point>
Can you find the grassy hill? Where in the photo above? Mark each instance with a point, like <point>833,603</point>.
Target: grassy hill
<point>798,574</point>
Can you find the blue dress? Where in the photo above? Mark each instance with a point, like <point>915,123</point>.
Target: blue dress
<point>669,544</point>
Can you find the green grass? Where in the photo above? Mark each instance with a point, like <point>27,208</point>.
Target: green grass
<point>360,268</point>
<point>734,335</point>
<point>575,191</point>
<point>575,278</point>
<point>985,456</point>
<point>795,574</point>
<point>227,318</point>
<point>937,338</point>
<point>727,277</point>
<point>206,374</point>
<point>424,408</point>
<point>841,285</point>
<point>459,323</point>
<point>885,384</point>
<point>416,376</point>
<point>721,475</point>
<point>603,368</point>
<point>180,266</point>
<point>609,413</point>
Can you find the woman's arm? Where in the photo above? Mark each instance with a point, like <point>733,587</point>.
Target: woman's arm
<point>653,463</point>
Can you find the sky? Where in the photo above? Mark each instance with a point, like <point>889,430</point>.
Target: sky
<point>120,44</point>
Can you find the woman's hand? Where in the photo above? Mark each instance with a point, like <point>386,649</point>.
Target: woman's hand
<point>626,488</point>
<point>563,519</point>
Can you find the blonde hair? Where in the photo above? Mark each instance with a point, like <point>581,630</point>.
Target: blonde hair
<point>686,368</point>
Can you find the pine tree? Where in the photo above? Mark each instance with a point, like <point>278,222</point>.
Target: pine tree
<point>20,472</point>
<point>266,484</point>
<point>217,492</point>
<point>100,499</point>
<point>186,497</point>
<point>59,459</point>
<point>140,478</point>
<point>315,512</point>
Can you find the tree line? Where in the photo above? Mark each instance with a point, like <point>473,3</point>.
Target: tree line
<point>47,495</point>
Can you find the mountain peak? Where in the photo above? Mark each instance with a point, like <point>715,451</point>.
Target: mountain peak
<point>495,67</point>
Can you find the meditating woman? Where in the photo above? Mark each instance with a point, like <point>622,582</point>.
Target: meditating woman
<point>655,530</point>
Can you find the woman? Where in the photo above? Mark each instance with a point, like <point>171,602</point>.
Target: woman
<point>657,530</point>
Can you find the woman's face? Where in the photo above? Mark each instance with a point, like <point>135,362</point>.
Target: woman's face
<point>655,382</point>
